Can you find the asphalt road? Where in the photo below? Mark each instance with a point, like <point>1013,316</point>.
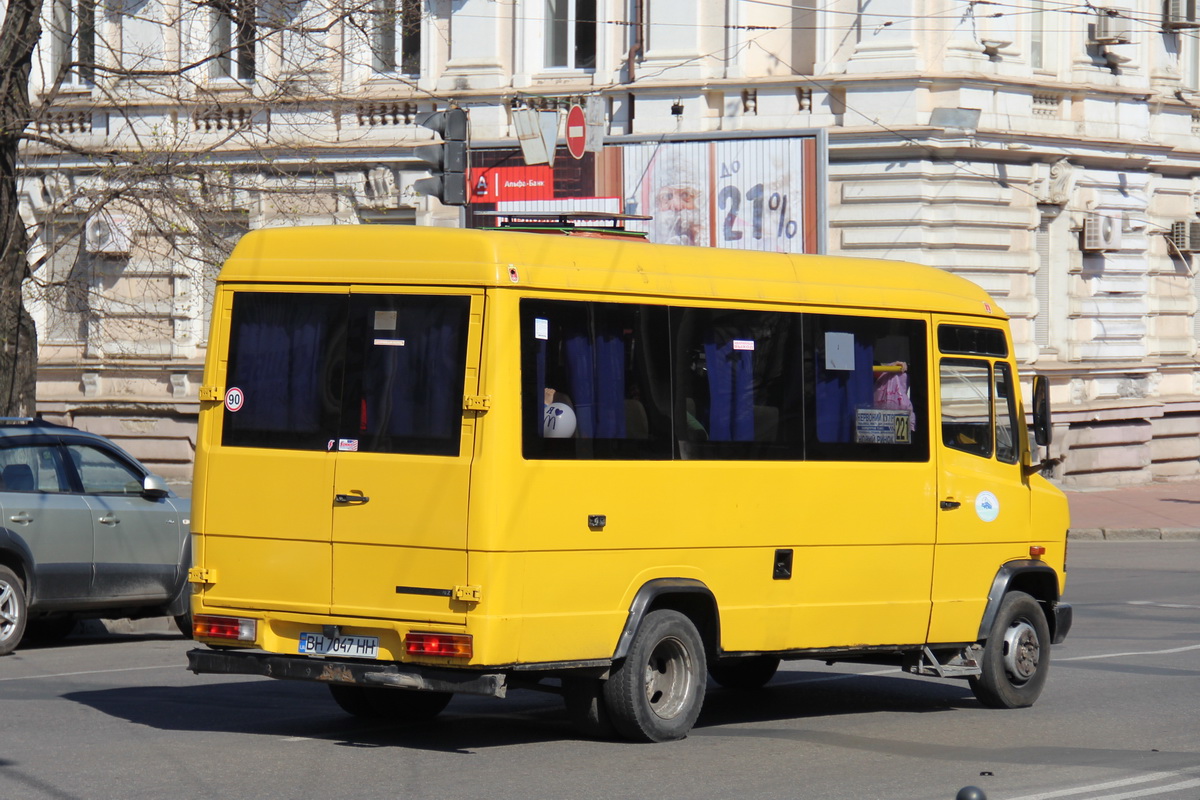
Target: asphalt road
<point>120,717</point>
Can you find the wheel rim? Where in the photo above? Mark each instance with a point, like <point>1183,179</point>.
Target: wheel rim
<point>1022,651</point>
<point>9,612</point>
<point>668,678</point>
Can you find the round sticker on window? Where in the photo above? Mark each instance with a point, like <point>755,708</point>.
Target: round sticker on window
<point>987,506</point>
<point>234,399</point>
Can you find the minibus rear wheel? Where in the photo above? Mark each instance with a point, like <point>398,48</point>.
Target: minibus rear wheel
<point>656,693</point>
<point>1016,656</point>
<point>398,705</point>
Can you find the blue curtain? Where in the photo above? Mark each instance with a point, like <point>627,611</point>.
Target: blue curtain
<point>731,392</point>
<point>596,383</point>
<point>277,362</point>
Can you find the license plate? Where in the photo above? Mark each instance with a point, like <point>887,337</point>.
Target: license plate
<point>318,644</point>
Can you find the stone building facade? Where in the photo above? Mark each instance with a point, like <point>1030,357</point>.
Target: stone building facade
<point>1049,153</point>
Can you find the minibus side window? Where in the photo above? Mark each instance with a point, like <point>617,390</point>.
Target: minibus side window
<point>738,384</point>
<point>967,405</point>
<point>286,356</point>
<point>1006,415</point>
<point>866,389</point>
<point>594,380</point>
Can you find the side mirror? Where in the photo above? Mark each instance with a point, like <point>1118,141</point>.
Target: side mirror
<point>1042,431</point>
<point>154,487</point>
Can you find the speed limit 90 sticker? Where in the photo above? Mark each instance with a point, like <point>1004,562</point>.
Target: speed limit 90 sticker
<point>234,399</point>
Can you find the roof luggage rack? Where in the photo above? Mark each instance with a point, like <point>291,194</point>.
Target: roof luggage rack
<point>598,224</point>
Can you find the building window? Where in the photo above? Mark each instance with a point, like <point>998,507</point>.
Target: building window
<point>571,34</point>
<point>74,41</point>
<point>233,39</point>
<point>396,36</point>
<point>1037,34</point>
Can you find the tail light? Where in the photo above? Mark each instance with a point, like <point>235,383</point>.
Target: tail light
<point>454,645</point>
<point>231,628</point>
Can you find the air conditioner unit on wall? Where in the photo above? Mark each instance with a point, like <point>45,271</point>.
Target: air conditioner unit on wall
<point>108,234</point>
<point>1185,236</point>
<point>1110,27</point>
<point>1179,14</point>
<point>1101,232</point>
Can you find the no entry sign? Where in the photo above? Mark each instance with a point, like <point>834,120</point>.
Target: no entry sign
<point>576,131</point>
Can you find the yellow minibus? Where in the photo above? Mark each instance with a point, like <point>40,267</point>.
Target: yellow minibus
<point>435,461</point>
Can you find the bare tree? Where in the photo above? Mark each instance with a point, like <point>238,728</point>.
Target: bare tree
<point>18,337</point>
<point>161,130</point>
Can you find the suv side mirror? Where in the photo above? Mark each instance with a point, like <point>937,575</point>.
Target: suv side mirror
<point>154,487</point>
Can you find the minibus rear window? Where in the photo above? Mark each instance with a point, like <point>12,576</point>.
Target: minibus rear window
<point>365,372</point>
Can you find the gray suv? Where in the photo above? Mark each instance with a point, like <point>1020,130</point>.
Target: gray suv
<point>85,532</point>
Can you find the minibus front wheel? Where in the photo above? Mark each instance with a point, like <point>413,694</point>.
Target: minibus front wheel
<point>1016,656</point>
<point>656,693</point>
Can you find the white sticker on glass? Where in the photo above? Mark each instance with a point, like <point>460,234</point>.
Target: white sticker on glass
<point>390,342</point>
<point>839,351</point>
<point>541,328</point>
<point>385,320</point>
<point>743,344</point>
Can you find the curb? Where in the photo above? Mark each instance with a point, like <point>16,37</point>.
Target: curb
<point>1134,534</point>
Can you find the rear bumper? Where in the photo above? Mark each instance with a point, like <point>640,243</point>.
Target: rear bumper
<point>360,673</point>
<point>1063,617</point>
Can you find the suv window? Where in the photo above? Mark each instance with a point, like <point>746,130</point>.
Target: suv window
<point>32,468</point>
<point>102,473</point>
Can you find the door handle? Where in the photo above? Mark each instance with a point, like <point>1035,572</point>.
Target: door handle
<point>108,519</point>
<point>350,499</point>
<point>949,505</point>
<point>21,518</point>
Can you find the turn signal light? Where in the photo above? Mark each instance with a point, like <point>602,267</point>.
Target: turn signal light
<point>454,645</point>
<point>1036,550</point>
<point>233,628</point>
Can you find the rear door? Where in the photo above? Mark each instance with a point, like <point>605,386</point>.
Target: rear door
<point>340,481</point>
<point>48,520</point>
<point>268,479</point>
<point>403,463</point>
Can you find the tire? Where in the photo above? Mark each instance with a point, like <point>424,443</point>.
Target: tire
<point>184,623</point>
<point>396,705</point>
<point>1016,656</point>
<point>49,630</point>
<point>584,698</point>
<point>656,693</point>
<point>13,610</point>
<point>751,672</point>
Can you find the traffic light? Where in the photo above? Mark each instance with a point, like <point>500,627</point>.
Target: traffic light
<point>448,162</point>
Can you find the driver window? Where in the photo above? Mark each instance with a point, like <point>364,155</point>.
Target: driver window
<point>101,473</point>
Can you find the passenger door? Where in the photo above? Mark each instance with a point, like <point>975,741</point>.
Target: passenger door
<point>983,494</point>
<point>138,540</point>
<point>403,464</point>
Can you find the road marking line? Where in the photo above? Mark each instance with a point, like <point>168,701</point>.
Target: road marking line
<point>88,672</point>
<point>1141,653</point>
<point>1159,605</point>
<point>1152,776</point>
<point>1147,792</point>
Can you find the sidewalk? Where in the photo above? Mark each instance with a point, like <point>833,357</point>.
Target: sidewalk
<point>1168,511</point>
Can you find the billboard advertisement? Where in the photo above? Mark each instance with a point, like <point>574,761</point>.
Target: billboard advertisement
<point>740,192</point>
